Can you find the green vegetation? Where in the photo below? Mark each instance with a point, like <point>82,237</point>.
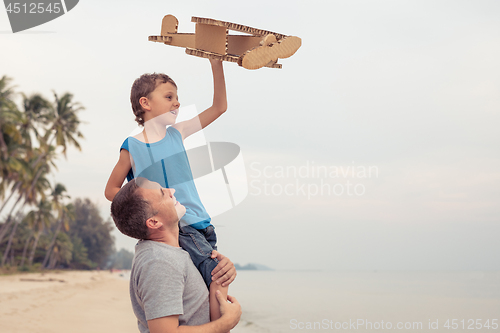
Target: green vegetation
<point>40,228</point>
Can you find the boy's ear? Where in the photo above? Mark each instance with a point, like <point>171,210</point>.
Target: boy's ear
<point>144,103</point>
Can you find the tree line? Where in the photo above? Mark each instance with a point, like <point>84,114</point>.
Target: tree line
<point>40,226</point>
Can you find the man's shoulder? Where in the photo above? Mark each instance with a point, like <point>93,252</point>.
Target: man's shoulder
<point>149,252</point>
<point>155,262</point>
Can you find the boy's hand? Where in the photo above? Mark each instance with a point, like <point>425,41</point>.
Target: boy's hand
<point>229,311</point>
<point>225,272</point>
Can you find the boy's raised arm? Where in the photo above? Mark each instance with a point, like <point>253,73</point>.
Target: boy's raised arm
<point>219,105</point>
<point>118,175</point>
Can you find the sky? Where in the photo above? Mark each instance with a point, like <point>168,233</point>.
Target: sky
<point>375,147</point>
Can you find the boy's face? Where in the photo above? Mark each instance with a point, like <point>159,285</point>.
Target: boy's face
<point>164,102</point>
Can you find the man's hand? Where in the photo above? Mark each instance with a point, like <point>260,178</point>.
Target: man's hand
<point>225,272</point>
<point>229,311</point>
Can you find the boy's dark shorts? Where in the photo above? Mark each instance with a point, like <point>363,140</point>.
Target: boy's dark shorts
<point>200,244</point>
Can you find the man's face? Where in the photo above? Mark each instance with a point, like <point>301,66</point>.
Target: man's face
<point>162,200</point>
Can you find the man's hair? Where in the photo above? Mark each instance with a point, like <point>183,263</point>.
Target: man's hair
<point>143,87</point>
<point>130,211</point>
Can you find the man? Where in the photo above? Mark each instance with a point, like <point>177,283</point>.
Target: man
<point>167,292</point>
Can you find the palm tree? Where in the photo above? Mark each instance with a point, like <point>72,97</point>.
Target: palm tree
<point>6,105</point>
<point>38,183</point>
<point>29,183</point>
<point>6,92</point>
<point>9,220</point>
<point>37,220</point>
<point>63,126</point>
<point>29,189</point>
<point>19,127</point>
<point>63,250</point>
<point>9,131</point>
<point>11,143</point>
<point>65,213</point>
<point>24,166</point>
<point>35,115</point>
<point>64,122</point>
<point>13,171</point>
<point>9,116</point>
<point>10,168</point>
<point>21,176</point>
<point>9,243</point>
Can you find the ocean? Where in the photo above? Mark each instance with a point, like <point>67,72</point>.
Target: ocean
<point>368,301</point>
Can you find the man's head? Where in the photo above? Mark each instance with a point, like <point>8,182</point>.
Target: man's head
<point>142,206</point>
<point>143,87</point>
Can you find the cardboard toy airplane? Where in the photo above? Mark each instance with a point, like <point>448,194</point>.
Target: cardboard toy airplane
<point>260,48</point>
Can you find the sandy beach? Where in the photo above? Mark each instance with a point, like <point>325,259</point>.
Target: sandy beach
<point>271,301</point>
<point>83,301</point>
<point>74,301</point>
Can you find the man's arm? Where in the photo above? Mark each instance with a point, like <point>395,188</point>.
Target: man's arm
<point>219,105</point>
<point>230,316</point>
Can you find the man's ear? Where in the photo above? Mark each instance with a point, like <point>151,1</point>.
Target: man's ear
<point>153,223</point>
<point>144,103</point>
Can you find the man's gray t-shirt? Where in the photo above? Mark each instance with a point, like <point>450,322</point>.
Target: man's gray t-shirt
<point>164,282</point>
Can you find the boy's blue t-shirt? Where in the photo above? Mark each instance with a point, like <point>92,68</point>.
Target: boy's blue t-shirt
<point>166,163</point>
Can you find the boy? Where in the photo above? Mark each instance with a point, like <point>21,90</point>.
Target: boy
<point>158,154</point>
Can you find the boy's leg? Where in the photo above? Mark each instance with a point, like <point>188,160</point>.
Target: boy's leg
<point>199,244</point>
<point>210,236</point>
<point>200,250</point>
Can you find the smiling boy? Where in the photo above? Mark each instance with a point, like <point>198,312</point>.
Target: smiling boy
<point>158,154</point>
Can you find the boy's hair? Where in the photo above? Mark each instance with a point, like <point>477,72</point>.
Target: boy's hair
<point>130,211</point>
<point>143,87</point>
